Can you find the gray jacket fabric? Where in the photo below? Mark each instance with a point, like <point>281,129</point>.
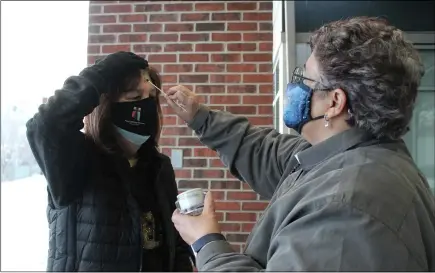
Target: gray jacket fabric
<point>350,203</point>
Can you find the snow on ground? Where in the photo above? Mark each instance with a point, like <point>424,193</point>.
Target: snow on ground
<point>24,226</point>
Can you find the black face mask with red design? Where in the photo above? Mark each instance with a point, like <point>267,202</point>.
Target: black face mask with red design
<point>136,120</point>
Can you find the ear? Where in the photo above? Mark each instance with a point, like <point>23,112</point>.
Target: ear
<point>338,103</point>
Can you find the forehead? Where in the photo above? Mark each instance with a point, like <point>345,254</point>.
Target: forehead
<point>311,67</point>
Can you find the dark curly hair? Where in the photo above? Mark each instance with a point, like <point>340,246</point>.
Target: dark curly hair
<point>377,68</point>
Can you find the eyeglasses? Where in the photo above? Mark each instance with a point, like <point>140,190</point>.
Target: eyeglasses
<point>298,77</point>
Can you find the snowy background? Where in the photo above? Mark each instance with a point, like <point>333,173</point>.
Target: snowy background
<point>24,226</point>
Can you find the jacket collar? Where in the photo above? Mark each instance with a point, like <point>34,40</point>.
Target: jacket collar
<point>332,146</point>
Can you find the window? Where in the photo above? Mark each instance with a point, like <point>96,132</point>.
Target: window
<point>43,43</point>
<point>420,140</point>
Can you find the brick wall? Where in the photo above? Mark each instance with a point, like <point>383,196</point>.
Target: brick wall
<point>222,50</point>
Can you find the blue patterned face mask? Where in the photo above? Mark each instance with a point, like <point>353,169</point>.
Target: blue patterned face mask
<point>297,112</point>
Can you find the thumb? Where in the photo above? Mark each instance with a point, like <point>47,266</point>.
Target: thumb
<point>209,204</point>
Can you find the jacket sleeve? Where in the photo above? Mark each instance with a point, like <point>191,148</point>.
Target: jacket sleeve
<point>60,148</point>
<point>184,256</point>
<point>335,238</point>
<point>254,155</point>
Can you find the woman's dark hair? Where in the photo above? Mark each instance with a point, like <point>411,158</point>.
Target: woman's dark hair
<point>98,125</point>
<point>377,68</point>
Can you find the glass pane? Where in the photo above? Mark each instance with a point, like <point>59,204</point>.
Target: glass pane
<point>421,138</point>
<point>428,58</point>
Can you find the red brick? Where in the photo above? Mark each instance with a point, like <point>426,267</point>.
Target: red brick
<point>237,195</point>
<point>225,185</point>
<point>241,47</point>
<point>204,152</point>
<point>257,78</point>
<point>230,227</point>
<point>132,18</point>
<point>162,58</point>
<point>254,206</point>
<point>116,28</point>
<point>209,89</point>
<point>195,17</point>
<point>208,173</point>
<point>148,8</point>
<point>242,89</point>
<point>132,38</point>
<point>227,205</point>
<point>216,163</point>
<point>165,141</point>
<point>257,57</point>
<point>102,19</point>
<point>226,37</point>
<point>193,58</point>
<point>242,110</point>
<point>260,99</point>
<point>266,46</point>
<point>257,16</point>
<point>209,47</point>
<point>266,89</point>
<point>183,173</point>
<point>178,7</point>
<point>164,17</point>
<point>247,227</point>
<point>266,5</point>
<point>265,68</point>
<point>193,78</point>
<point>226,57</point>
<point>190,184</point>
<point>210,27</point>
<point>178,27</point>
<point>163,37</point>
<point>210,68</point>
<point>209,6</point>
<point>189,141</point>
<point>147,27</point>
<point>178,47</point>
<point>214,78</point>
<point>195,37</point>
<point>266,26</point>
<point>261,121</point>
<point>117,9</point>
<point>167,78</point>
<point>177,68</point>
<point>194,163</point>
<point>241,217</point>
<point>100,39</point>
<point>175,131</point>
<point>241,67</point>
<point>147,48</point>
<point>226,16</point>
<point>257,37</point>
<point>265,110</point>
<point>242,27</point>
<point>224,99</point>
<point>242,6</point>
<point>114,48</point>
<point>94,49</point>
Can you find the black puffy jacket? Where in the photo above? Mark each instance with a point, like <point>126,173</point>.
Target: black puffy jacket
<point>93,217</point>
